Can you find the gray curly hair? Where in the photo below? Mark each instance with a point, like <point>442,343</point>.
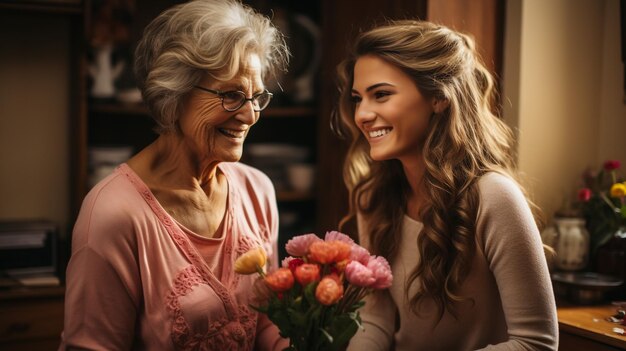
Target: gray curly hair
<point>201,37</point>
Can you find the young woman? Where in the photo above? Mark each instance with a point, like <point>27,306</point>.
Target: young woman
<point>430,173</point>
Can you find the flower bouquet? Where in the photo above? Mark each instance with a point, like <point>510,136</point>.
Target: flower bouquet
<point>603,204</point>
<point>314,297</point>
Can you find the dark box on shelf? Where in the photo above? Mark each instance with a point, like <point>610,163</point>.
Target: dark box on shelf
<point>28,247</point>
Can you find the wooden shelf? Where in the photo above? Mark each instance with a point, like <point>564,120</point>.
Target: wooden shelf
<point>45,6</point>
<point>138,109</point>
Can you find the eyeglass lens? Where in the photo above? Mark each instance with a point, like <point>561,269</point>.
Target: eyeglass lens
<point>233,100</point>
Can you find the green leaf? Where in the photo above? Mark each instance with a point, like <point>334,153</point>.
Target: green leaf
<point>309,293</point>
<point>623,211</point>
<point>297,318</point>
<point>280,317</point>
<point>343,328</point>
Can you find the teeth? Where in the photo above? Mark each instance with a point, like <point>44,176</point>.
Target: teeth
<point>233,133</point>
<point>379,133</point>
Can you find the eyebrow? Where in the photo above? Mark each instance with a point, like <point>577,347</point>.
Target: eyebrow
<point>236,86</point>
<point>377,85</point>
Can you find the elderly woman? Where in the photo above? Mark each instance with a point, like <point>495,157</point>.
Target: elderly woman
<point>154,244</point>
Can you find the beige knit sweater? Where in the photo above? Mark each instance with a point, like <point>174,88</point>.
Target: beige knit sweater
<point>512,305</point>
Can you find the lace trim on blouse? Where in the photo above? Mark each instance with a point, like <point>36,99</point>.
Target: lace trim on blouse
<point>237,330</point>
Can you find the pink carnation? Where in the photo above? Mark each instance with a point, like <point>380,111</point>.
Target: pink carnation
<point>335,235</point>
<point>381,271</point>
<point>359,275</point>
<point>360,254</point>
<point>299,245</point>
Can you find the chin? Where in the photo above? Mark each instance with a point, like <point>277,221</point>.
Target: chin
<point>377,156</point>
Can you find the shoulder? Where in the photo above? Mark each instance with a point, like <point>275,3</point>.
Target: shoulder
<point>107,212</point>
<point>244,173</point>
<point>497,189</point>
<point>250,177</point>
<point>503,210</point>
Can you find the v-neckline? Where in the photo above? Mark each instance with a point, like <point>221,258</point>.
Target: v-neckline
<point>184,243</point>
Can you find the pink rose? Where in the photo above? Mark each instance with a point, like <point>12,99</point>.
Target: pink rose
<point>611,165</point>
<point>299,245</point>
<point>334,235</point>
<point>381,271</point>
<point>584,194</point>
<point>359,275</point>
<point>360,254</point>
<point>328,291</point>
<point>307,273</point>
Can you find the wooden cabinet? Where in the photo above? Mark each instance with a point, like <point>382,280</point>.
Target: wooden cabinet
<point>584,328</point>
<point>31,318</point>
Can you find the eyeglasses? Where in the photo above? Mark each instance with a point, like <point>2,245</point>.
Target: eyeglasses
<point>234,100</point>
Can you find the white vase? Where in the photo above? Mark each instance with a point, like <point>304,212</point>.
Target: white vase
<point>104,72</point>
<point>571,243</point>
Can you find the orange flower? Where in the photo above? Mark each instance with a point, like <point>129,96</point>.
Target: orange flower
<point>343,250</point>
<point>251,261</point>
<point>341,265</point>
<point>335,277</point>
<point>280,280</point>
<point>307,273</point>
<point>328,291</point>
<point>322,252</point>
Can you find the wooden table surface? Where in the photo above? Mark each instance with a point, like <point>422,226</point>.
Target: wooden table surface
<point>590,322</point>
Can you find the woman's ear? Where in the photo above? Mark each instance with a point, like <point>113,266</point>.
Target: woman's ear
<point>440,105</point>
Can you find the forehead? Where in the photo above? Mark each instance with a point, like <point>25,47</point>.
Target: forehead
<point>249,75</point>
<point>370,70</point>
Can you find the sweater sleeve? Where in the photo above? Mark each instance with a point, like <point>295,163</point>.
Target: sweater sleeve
<point>378,316</point>
<point>511,242</point>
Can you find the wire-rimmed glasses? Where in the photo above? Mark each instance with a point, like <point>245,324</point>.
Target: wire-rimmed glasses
<point>234,100</point>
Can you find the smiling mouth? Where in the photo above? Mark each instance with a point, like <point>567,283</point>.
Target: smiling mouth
<point>232,133</point>
<point>379,133</point>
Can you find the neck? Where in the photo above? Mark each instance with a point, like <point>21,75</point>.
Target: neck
<point>414,173</point>
<point>173,163</point>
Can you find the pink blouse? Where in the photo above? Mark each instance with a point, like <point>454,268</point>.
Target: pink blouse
<point>139,280</point>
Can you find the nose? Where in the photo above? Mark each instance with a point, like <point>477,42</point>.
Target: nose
<point>246,114</point>
<point>363,114</point>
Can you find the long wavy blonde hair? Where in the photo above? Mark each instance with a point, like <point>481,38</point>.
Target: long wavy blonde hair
<point>463,142</point>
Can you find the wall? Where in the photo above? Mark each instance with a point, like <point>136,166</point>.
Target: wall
<point>34,109</point>
<point>612,109</point>
<point>558,69</point>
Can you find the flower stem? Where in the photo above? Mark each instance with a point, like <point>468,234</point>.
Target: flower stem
<point>260,271</point>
